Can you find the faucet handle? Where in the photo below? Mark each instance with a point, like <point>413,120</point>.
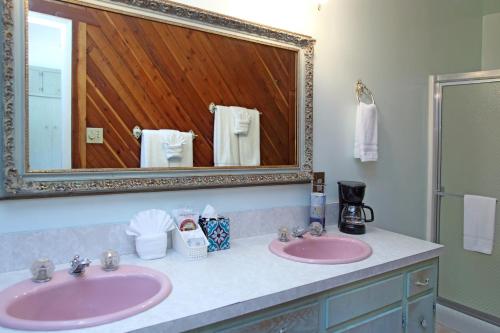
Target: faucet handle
<point>42,270</point>
<point>316,229</point>
<point>283,234</point>
<point>110,260</point>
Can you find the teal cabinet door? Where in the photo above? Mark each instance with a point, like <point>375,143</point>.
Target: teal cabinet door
<point>387,322</point>
<point>421,315</point>
<point>360,301</point>
<point>304,319</point>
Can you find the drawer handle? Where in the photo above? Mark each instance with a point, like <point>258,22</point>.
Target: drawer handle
<point>423,284</point>
<point>423,323</point>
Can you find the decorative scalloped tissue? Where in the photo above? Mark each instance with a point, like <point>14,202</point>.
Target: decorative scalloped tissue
<point>150,229</point>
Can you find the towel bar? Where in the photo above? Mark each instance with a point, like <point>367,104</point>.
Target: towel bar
<point>442,194</point>
<point>212,107</point>
<point>137,132</point>
<point>361,90</point>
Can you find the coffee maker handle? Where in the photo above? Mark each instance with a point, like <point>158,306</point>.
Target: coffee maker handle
<point>371,213</point>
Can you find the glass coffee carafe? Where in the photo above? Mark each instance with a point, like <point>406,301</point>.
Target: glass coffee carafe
<point>356,214</point>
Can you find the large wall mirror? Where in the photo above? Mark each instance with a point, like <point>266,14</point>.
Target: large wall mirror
<point>128,95</point>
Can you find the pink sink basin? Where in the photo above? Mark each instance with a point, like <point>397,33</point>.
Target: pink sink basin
<point>327,249</point>
<point>68,302</point>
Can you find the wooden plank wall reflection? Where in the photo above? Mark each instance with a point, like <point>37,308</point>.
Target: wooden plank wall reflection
<point>131,71</point>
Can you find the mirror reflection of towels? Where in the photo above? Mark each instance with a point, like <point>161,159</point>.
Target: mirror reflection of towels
<point>172,144</point>
<point>226,149</point>
<point>155,155</point>
<point>249,143</point>
<point>241,120</point>
<point>186,151</point>
<point>236,136</point>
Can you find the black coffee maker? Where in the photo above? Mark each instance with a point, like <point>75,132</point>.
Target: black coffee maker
<point>352,215</point>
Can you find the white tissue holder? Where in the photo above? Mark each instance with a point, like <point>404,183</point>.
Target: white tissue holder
<point>153,246</point>
<point>180,243</point>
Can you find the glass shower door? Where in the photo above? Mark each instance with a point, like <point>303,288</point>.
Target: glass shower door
<point>470,164</point>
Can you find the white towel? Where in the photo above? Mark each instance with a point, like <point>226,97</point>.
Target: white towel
<point>365,138</point>
<point>155,153</point>
<point>241,120</point>
<point>180,158</point>
<point>152,154</point>
<point>172,144</point>
<point>249,144</point>
<point>226,150</point>
<point>479,223</point>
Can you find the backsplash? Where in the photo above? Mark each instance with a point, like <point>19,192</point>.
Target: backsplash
<point>19,249</point>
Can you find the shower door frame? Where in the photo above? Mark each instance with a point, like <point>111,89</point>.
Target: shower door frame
<point>435,188</point>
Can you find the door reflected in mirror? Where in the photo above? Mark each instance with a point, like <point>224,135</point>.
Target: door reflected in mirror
<point>95,74</point>
<point>49,91</point>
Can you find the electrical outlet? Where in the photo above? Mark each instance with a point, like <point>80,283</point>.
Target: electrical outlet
<point>95,135</point>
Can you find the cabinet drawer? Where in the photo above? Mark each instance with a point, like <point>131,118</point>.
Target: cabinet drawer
<point>304,319</point>
<point>357,302</point>
<point>386,322</point>
<point>421,315</point>
<point>421,280</point>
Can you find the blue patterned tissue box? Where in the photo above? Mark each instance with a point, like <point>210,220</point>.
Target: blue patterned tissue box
<point>217,232</point>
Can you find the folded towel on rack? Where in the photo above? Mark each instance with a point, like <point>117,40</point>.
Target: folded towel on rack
<point>152,155</point>
<point>156,152</point>
<point>366,133</point>
<point>226,149</point>
<point>180,153</point>
<point>249,143</point>
<point>172,143</point>
<point>479,223</point>
<point>241,120</point>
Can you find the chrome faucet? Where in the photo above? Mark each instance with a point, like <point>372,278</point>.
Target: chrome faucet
<point>78,266</point>
<point>299,232</point>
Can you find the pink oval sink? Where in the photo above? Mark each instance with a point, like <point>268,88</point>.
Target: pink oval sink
<point>68,302</point>
<point>326,249</point>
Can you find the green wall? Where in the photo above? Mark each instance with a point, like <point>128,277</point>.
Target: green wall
<point>393,45</point>
<point>491,7</point>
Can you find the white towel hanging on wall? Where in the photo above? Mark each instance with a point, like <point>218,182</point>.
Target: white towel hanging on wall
<point>366,132</point>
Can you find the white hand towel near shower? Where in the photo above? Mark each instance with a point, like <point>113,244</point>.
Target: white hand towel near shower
<point>366,133</point>
<point>226,149</point>
<point>152,155</point>
<point>479,223</point>
<point>185,158</point>
<point>249,143</point>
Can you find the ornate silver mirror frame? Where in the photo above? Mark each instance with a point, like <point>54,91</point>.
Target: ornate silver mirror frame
<point>19,183</point>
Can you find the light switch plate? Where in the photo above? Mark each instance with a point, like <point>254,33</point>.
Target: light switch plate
<point>95,135</point>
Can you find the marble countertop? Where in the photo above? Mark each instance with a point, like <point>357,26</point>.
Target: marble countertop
<point>247,278</point>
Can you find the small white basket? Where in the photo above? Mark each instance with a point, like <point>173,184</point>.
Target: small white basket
<point>180,243</point>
